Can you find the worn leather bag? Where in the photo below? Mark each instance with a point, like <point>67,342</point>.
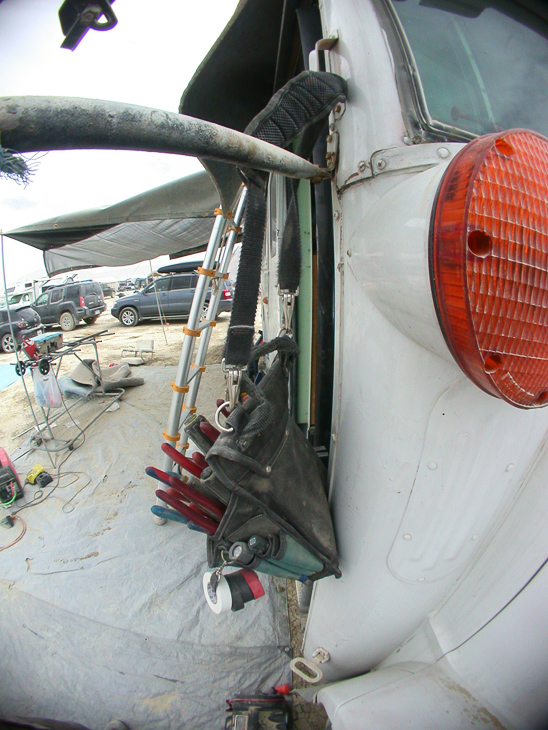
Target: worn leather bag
<point>277,519</point>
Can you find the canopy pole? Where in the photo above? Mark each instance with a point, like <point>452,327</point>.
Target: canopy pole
<point>160,313</point>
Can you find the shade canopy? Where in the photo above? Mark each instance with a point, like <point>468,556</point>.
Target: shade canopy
<point>177,218</point>
<point>241,72</point>
<point>172,219</point>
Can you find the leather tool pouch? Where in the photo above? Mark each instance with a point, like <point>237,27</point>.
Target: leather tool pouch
<point>272,481</point>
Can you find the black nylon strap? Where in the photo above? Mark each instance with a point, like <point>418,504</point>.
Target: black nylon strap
<point>298,106</point>
<point>242,320</point>
<point>289,262</point>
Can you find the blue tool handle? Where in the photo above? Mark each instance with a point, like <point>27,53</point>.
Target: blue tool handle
<point>151,471</point>
<point>170,514</point>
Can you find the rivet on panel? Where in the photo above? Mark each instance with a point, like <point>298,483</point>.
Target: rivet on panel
<point>381,164</point>
<point>432,465</point>
<point>362,166</point>
<point>336,215</point>
<point>475,537</point>
<point>510,467</point>
<point>443,152</point>
<point>407,536</point>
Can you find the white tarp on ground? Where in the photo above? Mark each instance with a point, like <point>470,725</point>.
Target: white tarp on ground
<point>102,612</point>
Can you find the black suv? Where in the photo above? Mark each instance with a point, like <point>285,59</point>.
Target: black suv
<point>170,295</point>
<point>25,323</point>
<point>108,291</point>
<point>68,304</point>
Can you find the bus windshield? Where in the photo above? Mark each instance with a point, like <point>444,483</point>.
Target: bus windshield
<point>483,64</point>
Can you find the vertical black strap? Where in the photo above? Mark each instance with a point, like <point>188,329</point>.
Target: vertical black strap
<point>289,261</point>
<point>299,106</point>
<point>242,320</point>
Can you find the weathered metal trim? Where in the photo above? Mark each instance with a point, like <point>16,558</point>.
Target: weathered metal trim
<point>402,159</point>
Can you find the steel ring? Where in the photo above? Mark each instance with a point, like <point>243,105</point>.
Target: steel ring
<point>217,414</point>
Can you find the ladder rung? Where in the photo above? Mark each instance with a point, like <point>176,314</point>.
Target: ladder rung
<point>194,370</point>
<point>205,323</point>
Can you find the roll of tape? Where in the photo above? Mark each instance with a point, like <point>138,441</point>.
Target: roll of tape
<point>220,600</point>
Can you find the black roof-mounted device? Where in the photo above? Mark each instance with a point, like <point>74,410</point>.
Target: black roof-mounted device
<point>78,16</point>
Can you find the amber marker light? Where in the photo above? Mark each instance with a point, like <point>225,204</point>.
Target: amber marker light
<point>489,264</point>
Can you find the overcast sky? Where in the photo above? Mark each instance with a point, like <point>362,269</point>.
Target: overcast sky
<point>147,59</point>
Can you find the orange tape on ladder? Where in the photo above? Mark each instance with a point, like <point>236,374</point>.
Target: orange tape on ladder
<point>192,333</point>
<point>207,272</point>
<point>219,211</point>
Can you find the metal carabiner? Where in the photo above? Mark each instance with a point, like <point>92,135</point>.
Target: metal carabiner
<point>288,306</point>
<point>217,415</point>
<point>233,377</point>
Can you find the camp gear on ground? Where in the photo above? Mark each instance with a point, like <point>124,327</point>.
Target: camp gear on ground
<point>46,389</point>
<point>10,486</point>
<point>34,472</point>
<point>260,711</point>
<point>107,379</point>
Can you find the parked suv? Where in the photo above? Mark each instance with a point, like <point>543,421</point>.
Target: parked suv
<point>25,322</point>
<point>170,296</point>
<point>108,291</point>
<point>68,304</point>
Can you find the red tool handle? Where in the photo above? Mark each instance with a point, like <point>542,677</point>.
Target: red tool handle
<point>211,505</point>
<point>199,458</point>
<point>224,411</point>
<point>188,465</point>
<point>209,525</point>
<point>189,493</point>
<point>209,431</point>
<point>179,495</point>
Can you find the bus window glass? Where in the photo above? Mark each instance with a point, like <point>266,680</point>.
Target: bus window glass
<point>483,69</point>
